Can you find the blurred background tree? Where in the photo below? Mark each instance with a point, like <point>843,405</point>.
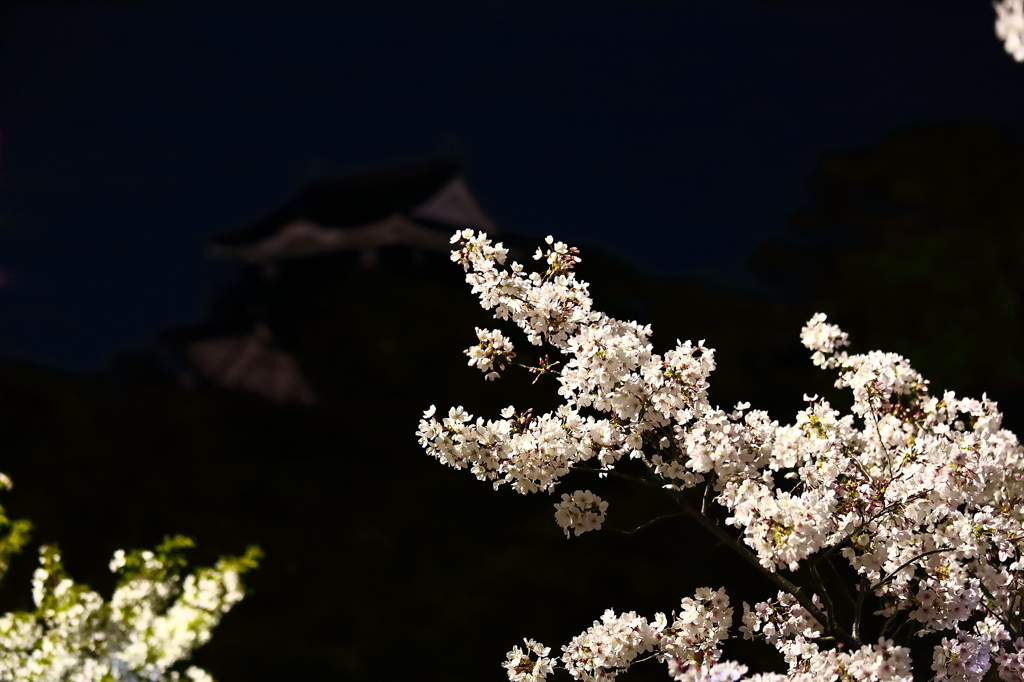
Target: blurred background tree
<point>917,246</point>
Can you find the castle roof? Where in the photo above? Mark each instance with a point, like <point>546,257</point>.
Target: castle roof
<point>418,205</point>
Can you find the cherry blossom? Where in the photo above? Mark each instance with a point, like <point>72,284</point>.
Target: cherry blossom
<point>919,494</point>
<point>1010,26</point>
<point>580,512</point>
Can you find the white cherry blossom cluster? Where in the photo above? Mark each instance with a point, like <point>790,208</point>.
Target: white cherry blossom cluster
<point>491,354</point>
<point>152,623</point>
<point>921,495</point>
<point>529,453</point>
<point>690,640</point>
<point>580,512</point>
<point>523,667</point>
<point>1011,665</point>
<point>608,646</point>
<point>1010,26</point>
<point>786,625</point>
<point>694,637</point>
<point>965,657</point>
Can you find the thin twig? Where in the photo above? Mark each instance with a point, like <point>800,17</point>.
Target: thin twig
<point>1013,630</point>
<point>773,576</point>
<point>647,658</point>
<point>617,474</point>
<point>889,621</point>
<point>892,575</point>
<point>649,523</point>
<point>881,443</point>
<point>837,546</point>
<point>829,608</point>
<point>707,497</point>
<point>842,584</point>
<point>859,608</point>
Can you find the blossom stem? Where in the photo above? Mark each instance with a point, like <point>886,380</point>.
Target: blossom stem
<point>892,575</point>
<point>820,585</point>
<point>745,553</point>
<point>779,580</point>
<point>842,584</point>
<point>859,609</point>
<point>616,474</point>
<point>707,498</point>
<point>889,621</point>
<point>1013,631</point>
<point>839,545</point>
<point>881,443</point>
<point>649,523</point>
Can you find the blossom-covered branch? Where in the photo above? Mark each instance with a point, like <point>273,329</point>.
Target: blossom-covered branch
<point>151,625</point>
<point>919,493</point>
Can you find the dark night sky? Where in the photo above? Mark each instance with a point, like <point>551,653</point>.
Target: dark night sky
<point>677,132</point>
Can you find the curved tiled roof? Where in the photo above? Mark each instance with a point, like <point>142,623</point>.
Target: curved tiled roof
<point>349,202</point>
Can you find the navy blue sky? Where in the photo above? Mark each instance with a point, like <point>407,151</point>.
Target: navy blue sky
<point>677,132</point>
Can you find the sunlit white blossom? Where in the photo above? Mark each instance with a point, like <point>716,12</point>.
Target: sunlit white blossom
<point>154,620</point>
